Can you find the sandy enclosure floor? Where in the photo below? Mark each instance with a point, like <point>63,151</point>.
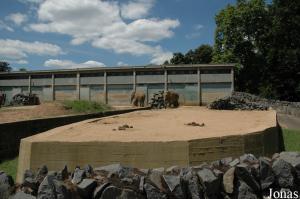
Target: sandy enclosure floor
<point>44,110</point>
<point>162,125</point>
<point>12,114</point>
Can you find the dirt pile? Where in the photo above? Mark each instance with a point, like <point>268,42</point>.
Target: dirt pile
<point>243,177</point>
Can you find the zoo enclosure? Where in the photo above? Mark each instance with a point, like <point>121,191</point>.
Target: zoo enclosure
<point>195,84</point>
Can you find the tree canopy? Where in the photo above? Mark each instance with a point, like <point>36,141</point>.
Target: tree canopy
<point>200,55</point>
<point>4,66</point>
<point>263,39</point>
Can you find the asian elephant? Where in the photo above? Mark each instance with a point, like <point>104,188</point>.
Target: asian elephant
<point>138,98</point>
<point>171,99</point>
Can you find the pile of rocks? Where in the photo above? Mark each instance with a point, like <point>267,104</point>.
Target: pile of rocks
<point>157,101</point>
<point>243,177</point>
<point>236,103</point>
<point>246,101</point>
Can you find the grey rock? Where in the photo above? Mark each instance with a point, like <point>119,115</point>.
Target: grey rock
<point>153,193</point>
<point>47,188</point>
<point>291,157</point>
<point>141,184</point>
<point>88,170</point>
<point>116,169</point>
<point>78,175</point>
<point>267,177</point>
<point>6,182</point>
<point>61,190</point>
<point>284,173</point>
<point>160,169</point>
<point>192,183</point>
<point>86,188</point>
<point>111,192</point>
<point>234,162</point>
<point>41,174</point>
<point>210,183</point>
<point>51,188</point>
<point>99,190</point>
<point>64,173</point>
<point>127,180</point>
<point>174,186</point>
<point>245,192</point>
<point>294,159</point>
<point>130,194</point>
<point>243,173</point>
<point>22,195</point>
<point>31,183</point>
<point>28,173</point>
<point>156,178</point>
<point>4,191</point>
<point>248,158</point>
<point>173,170</point>
<point>6,179</point>
<point>171,181</point>
<point>228,180</point>
<point>226,161</point>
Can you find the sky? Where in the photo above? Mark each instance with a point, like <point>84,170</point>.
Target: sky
<point>59,34</point>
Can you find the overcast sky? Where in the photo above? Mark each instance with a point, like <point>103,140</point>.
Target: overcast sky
<point>50,34</point>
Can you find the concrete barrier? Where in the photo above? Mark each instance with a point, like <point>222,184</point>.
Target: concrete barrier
<point>11,133</point>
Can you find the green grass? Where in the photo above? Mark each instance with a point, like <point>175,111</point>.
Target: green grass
<point>291,139</point>
<point>10,167</point>
<point>83,106</point>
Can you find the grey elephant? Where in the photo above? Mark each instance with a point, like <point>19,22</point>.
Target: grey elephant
<point>138,98</point>
<point>171,99</point>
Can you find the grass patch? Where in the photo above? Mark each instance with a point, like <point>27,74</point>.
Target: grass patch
<point>83,106</point>
<point>291,139</point>
<point>10,167</point>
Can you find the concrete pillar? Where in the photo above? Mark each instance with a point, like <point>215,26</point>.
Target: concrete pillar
<point>29,84</point>
<point>53,87</point>
<point>78,85</point>
<point>199,87</point>
<point>134,80</point>
<point>232,79</point>
<point>105,87</point>
<point>166,80</point>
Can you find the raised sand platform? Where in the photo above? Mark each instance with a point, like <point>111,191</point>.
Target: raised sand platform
<point>159,138</point>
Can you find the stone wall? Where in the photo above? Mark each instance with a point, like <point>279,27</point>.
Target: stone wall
<point>11,133</point>
<point>243,177</point>
<point>285,107</point>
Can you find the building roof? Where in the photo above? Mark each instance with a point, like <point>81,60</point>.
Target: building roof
<point>120,68</point>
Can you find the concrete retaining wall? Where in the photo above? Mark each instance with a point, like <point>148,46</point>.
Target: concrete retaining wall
<point>11,133</point>
<point>54,154</point>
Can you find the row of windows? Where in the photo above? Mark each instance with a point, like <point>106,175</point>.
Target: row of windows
<point>101,74</point>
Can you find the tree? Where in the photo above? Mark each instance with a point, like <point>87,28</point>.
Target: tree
<point>283,49</point>
<point>4,66</point>
<point>263,40</point>
<point>239,28</point>
<point>22,69</point>
<point>201,55</point>
<point>178,58</point>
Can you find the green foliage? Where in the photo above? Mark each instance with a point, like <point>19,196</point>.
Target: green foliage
<point>83,106</point>
<point>10,167</point>
<point>291,139</point>
<point>4,66</point>
<point>263,39</point>
<point>201,55</point>
<point>22,69</point>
